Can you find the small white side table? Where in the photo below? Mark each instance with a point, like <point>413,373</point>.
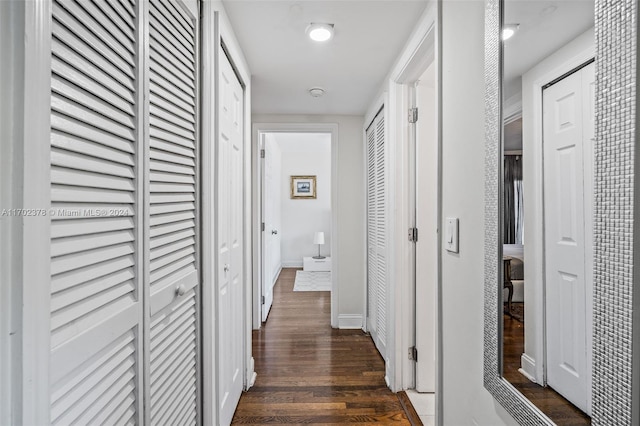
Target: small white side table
<point>310,264</point>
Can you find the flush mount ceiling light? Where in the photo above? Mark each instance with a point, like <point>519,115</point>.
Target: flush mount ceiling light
<point>509,30</point>
<point>316,92</point>
<point>320,32</point>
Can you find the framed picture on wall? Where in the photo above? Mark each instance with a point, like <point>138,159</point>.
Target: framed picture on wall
<point>303,187</point>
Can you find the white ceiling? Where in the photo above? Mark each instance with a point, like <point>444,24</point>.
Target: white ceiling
<point>351,67</point>
<point>545,26</point>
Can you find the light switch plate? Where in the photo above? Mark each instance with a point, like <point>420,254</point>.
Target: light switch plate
<point>451,235</point>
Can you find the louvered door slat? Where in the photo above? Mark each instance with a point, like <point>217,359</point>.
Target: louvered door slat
<point>92,288</point>
<point>129,6</point>
<point>67,107</point>
<point>181,23</point>
<point>70,160</point>
<point>162,114</point>
<point>180,40</point>
<point>71,50</point>
<point>171,221</point>
<point>167,380</point>
<point>114,12</point>
<point>160,63</point>
<point>120,58</point>
<point>105,28</point>
<point>80,97</point>
<point>170,52</point>
<point>95,327</point>
<point>168,142</point>
<point>89,150</point>
<point>66,128</point>
<point>115,96</point>
<point>65,246</point>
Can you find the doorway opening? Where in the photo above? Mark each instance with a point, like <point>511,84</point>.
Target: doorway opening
<point>295,221</point>
<point>296,211</point>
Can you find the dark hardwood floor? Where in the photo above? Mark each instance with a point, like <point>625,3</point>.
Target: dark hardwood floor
<point>561,411</point>
<point>309,373</point>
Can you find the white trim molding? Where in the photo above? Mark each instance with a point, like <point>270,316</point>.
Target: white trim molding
<point>350,321</point>
<point>35,247</point>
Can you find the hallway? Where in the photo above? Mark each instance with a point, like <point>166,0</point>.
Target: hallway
<point>311,373</point>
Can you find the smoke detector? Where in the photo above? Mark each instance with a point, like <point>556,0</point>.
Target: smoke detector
<point>316,92</point>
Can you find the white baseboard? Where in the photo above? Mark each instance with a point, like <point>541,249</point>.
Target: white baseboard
<point>275,278</point>
<point>350,321</point>
<point>251,374</point>
<point>528,367</point>
<point>292,264</point>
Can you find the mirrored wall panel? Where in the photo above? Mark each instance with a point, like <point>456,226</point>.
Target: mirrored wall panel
<point>548,103</point>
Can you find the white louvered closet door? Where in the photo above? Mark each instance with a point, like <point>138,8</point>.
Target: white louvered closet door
<point>172,216</point>
<point>124,266</point>
<point>377,288</point>
<point>96,290</point>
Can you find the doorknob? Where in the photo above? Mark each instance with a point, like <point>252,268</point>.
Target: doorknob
<point>274,232</point>
<point>180,290</point>
<point>226,267</point>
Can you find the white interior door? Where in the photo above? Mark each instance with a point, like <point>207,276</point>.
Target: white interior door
<point>230,190</point>
<point>377,289</point>
<point>426,154</point>
<point>271,197</point>
<point>96,259</point>
<point>171,223</point>
<point>567,132</point>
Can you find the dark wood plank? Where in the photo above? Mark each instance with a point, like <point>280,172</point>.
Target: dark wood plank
<point>561,411</point>
<point>311,373</point>
<point>411,412</point>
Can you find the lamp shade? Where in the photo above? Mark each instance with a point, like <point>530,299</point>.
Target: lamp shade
<point>318,238</point>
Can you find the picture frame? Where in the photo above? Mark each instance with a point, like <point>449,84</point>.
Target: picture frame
<point>303,187</point>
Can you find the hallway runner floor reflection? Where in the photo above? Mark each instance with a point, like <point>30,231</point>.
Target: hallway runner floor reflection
<point>309,373</point>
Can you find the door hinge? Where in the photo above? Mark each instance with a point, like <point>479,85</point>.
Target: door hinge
<point>413,353</point>
<point>263,300</point>
<point>413,234</point>
<point>413,115</point>
<point>262,153</point>
<point>262,226</point>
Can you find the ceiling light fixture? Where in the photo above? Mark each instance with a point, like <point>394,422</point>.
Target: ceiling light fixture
<point>320,32</point>
<point>316,92</point>
<point>509,30</point>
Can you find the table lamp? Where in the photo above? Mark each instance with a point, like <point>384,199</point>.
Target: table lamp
<point>318,239</point>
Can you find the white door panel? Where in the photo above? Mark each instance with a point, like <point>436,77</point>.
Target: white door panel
<point>272,193</point>
<point>96,303</point>
<point>230,242</point>
<point>568,128</point>
<point>377,289</point>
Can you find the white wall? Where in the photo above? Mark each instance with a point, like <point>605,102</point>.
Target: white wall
<point>11,107</point>
<point>302,218</point>
<point>350,206</point>
<point>463,197</point>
